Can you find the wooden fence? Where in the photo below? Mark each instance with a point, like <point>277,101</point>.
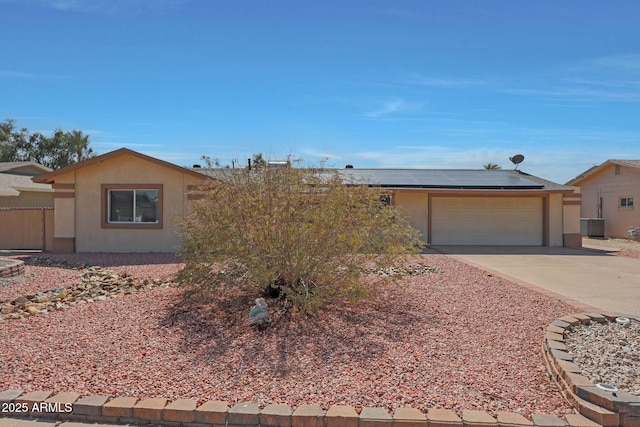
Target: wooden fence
<point>26,228</point>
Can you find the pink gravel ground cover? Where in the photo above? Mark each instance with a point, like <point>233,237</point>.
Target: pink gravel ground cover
<point>457,339</point>
<point>39,277</point>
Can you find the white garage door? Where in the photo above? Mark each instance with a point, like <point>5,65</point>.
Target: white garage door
<point>486,221</point>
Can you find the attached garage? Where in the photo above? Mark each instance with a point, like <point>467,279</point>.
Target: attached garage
<point>480,207</point>
<point>487,221</point>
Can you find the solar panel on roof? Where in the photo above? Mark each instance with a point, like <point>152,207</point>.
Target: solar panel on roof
<point>440,178</point>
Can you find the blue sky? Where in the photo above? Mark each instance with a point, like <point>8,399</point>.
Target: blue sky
<point>417,84</point>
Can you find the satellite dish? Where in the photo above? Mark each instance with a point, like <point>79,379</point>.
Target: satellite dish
<point>517,159</point>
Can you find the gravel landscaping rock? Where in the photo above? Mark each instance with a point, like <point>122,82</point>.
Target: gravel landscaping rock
<point>401,271</point>
<point>52,271</point>
<point>96,284</point>
<point>608,353</point>
<point>452,337</point>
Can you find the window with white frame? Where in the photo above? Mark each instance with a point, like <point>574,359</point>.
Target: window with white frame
<point>625,203</point>
<point>132,206</point>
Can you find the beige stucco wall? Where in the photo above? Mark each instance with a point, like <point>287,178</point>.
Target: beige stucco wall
<point>610,187</point>
<point>28,199</point>
<point>556,220</point>
<point>64,211</point>
<point>413,206</point>
<point>63,218</point>
<point>88,201</point>
<point>90,237</point>
<point>571,219</point>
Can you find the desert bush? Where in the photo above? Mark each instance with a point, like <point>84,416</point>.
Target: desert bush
<point>301,234</point>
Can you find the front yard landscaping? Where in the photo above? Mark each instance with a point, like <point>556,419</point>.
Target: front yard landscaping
<point>451,337</point>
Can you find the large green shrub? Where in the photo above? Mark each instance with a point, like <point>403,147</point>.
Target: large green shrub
<point>302,234</point>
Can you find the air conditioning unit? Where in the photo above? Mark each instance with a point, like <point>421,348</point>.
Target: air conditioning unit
<point>592,227</point>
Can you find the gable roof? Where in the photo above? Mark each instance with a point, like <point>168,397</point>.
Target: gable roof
<point>595,169</point>
<point>23,168</point>
<point>478,179</point>
<point>50,177</point>
<point>16,177</point>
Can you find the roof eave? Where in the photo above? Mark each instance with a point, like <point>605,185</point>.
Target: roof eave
<point>597,168</point>
<point>34,189</point>
<point>49,178</point>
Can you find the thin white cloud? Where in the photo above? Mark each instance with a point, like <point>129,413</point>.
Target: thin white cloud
<point>611,84</point>
<point>608,78</point>
<point>28,75</point>
<point>432,156</point>
<point>555,165</point>
<point>440,82</point>
<point>312,152</point>
<point>108,7</point>
<point>123,144</point>
<point>388,107</point>
<point>580,93</point>
<point>627,63</point>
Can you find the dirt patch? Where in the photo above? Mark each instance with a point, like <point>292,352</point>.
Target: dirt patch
<point>620,247</point>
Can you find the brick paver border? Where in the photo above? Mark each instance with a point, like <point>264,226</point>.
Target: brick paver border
<point>594,407</point>
<point>601,407</point>
<point>11,267</point>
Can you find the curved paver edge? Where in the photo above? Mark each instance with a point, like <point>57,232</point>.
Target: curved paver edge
<point>11,267</point>
<point>602,407</point>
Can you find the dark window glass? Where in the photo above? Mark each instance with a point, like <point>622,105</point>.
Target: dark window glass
<point>133,206</point>
<point>121,206</point>
<point>146,206</point>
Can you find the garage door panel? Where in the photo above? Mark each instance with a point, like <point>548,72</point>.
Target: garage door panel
<point>486,221</point>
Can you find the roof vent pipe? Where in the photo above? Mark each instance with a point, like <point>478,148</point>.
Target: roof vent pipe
<point>197,166</point>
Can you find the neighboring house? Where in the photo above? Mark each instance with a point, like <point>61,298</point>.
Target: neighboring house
<point>18,190</point>
<point>125,201</point>
<point>609,191</point>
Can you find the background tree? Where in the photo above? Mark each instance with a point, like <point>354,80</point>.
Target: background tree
<point>57,151</point>
<point>301,234</point>
<point>492,166</point>
<point>11,141</point>
<point>79,142</point>
<point>257,161</point>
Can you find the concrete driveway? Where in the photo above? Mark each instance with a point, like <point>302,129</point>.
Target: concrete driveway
<point>590,277</point>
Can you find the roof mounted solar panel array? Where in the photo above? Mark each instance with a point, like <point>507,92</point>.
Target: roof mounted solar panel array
<point>441,178</point>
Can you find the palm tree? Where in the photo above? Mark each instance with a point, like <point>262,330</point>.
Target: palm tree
<point>79,142</point>
<point>492,166</point>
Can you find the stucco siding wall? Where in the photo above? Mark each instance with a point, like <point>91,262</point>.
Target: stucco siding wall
<point>91,237</point>
<point>572,219</point>
<point>63,218</point>
<point>556,220</point>
<point>611,187</point>
<point>413,206</point>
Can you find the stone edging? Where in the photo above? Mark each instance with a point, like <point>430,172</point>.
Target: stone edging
<point>11,268</point>
<point>592,402</point>
<point>594,406</point>
<point>186,412</point>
